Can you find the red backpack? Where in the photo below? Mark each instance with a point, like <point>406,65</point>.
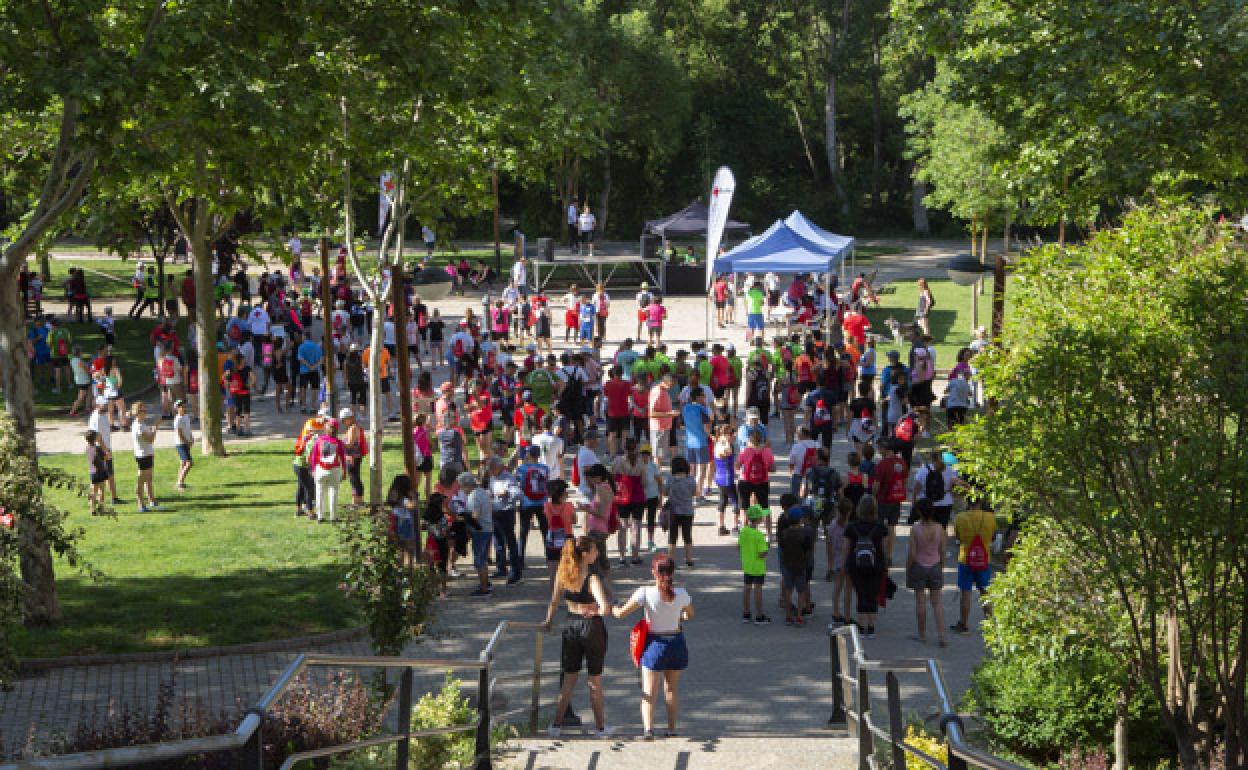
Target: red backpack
<point>534,484</point>
<point>977,554</point>
<point>458,350</point>
<point>805,372</point>
<point>755,471</point>
<point>166,369</point>
<point>905,429</point>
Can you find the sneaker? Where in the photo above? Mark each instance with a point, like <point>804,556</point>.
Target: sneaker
<point>453,572</point>
<point>736,530</point>
<point>155,507</point>
<point>636,560</point>
<point>623,562</point>
<point>870,632</point>
<point>511,581</point>
<point>647,735</point>
<point>606,731</point>
<point>481,592</point>
<point>500,574</point>
<point>788,620</point>
<point>571,719</point>
<point>809,610</point>
<point>746,618</point>
<point>670,733</point>
<point>960,628</point>
<point>797,621</point>
<point>723,531</point>
<point>762,620</point>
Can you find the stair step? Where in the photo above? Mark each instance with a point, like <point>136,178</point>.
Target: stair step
<point>627,751</point>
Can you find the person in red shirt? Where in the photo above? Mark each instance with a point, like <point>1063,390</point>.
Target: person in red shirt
<point>888,485</point>
<point>528,417</point>
<point>188,294</point>
<point>617,391</point>
<point>721,372</point>
<point>855,325</point>
<point>481,419</point>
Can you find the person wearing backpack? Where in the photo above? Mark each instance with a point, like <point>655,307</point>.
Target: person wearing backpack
<point>328,462</point>
<point>888,486</point>
<point>974,528</point>
<point>571,400</point>
<point>755,465</point>
<point>864,560</point>
<point>534,479</point>
<point>935,483</point>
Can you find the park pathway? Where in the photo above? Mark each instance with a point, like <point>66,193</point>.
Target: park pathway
<point>747,686</point>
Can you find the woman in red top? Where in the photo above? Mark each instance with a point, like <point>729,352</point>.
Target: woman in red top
<point>560,521</point>
<point>755,464</point>
<point>481,419</point>
<point>721,371</point>
<point>719,293</point>
<point>639,411</point>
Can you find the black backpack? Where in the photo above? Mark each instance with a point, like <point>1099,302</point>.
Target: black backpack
<point>572,398</point>
<point>761,390</point>
<point>934,485</point>
<point>866,557</point>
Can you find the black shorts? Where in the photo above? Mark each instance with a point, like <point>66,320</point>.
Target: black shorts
<point>745,489</point>
<point>59,361</point>
<point>584,642</point>
<point>280,375</point>
<point>632,510</point>
<point>754,580</point>
<point>145,463</point>
<point>619,424</point>
<point>99,477</point>
<point>890,513</point>
<point>385,385</point>
<point>720,303</point>
<point>921,394</point>
<point>310,379</point>
<point>942,514</point>
<point>426,465</point>
<point>242,402</point>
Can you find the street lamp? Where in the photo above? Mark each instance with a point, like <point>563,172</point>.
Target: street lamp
<point>965,270</point>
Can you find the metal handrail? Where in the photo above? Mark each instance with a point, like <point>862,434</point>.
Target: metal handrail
<point>248,736</point>
<point>851,706</point>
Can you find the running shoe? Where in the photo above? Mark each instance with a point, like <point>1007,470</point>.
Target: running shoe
<point>723,531</point>
<point>647,735</point>
<point>636,560</point>
<point>762,620</point>
<point>960,628</point>
<point>606,731</point>
<point>736,530</point>
<point>870,632</point>
<point>746,618</point>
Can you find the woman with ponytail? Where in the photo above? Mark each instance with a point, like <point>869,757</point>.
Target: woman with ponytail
<point>584,639</point>
<point>666,608</point>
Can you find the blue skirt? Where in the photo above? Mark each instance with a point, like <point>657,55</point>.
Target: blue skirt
<point>665,653</point>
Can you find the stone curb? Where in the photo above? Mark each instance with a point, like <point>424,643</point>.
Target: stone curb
<point>29,666</point>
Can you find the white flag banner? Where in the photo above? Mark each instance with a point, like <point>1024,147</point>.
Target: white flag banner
<point>383,200</point>
<point>717,216</point>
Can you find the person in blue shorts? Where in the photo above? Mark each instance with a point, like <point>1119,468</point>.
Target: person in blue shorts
<point>696,416</point>
<point>975,528</point>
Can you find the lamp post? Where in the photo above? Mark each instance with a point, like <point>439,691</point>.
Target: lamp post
<point>965,270</point>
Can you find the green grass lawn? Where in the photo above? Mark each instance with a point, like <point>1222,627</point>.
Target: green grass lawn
<point>107,279</point>
<point>950,317</point>
<point>226,562</point>
<point>132,348</point>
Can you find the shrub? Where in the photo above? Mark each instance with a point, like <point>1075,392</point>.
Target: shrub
<point>1085,759</point>
<point>931,745</point>
<point>395,600</point>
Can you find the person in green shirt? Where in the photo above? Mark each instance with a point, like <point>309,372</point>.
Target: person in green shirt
<point>645,369</point>
<point>541,382</point>
<point>758,354</point>
<point>704,367</point>
<point>60,345</point>
<point>753,547</point>
<point>755,297</point>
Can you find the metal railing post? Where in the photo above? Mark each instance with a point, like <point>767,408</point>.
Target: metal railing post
<point>896,731</point>
<point>483,759</point>
<point>536,701</point>
<point>866,745</point>
<point>253,749</point>
<point>404,747</point>
<point>847,692</point>
<point>838,695</point>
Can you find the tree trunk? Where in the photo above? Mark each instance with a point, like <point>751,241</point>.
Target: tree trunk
<point>830,140</point>
<point>327,339</point>
<point>211,442</point>
<point>40,606</point>
<point>801,132</point>
<point>160,282</point>
<point>45,263</point>
<point>604,198</point>
<point>877,124</point>
<point>918,209</point>
<point>498,246</point>
<point>1120,731</point>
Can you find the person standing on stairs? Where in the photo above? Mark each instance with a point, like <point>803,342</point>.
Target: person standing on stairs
<point>584,639</point>
<point>665,654</point>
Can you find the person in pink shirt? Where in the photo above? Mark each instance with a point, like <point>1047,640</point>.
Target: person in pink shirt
<point>424,451</point>
<point>661,415</point>
<point>655,313</point>
<point>329,464</point>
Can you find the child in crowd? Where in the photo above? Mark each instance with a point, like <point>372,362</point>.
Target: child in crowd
<point>725,475</point>
<point>752,545</point>
<point>97,466</point>
<point>796,541</point>
<point>841,589</point>
<point>437,328</point>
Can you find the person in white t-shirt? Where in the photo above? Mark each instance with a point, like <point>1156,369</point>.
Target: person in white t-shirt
<point>551,447</point>
<point>430,238</point>
<point>520,275</point>
<point>143,437</point>
<point>258,322</point>
<point>586,458</point>
<point>666,655</point>
<point>586,223</point>
<point>183,436</point>
<point>99,422</point>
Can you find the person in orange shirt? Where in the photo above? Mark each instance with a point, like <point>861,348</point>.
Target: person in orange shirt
<point>854,353</point>
<point>383,362</point>
<point>481,420</point>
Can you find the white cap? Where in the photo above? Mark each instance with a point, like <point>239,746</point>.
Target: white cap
<point>344,413</point>
<point>101,401</point>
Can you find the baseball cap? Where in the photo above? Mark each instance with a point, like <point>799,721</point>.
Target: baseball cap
<point>753,413</point>
<point>344,413</point>
<point>466,479</point>
<point>798,512</point>
<point>756,512</point>
<point>645,449</point>
<point>731,348</point>
<point>101,401</point>
<point>324,412</point>
<point>645,285</point>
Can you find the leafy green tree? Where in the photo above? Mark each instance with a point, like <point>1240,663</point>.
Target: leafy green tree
<point>1122,400</point>
<point>70,76</point>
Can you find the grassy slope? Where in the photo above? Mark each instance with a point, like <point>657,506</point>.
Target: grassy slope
<point>225,563</point>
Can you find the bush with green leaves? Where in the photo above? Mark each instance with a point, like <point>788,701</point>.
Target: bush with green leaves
<point>396,600</point>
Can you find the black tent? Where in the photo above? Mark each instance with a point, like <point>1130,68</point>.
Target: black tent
<point>688,222</point>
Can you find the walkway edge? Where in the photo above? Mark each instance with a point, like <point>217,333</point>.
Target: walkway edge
<point>30,666</point>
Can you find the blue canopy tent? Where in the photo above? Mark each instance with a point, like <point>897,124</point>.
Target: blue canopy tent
<point>792,245</point>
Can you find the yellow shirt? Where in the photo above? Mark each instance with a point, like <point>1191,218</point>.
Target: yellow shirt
<point>968,524</point>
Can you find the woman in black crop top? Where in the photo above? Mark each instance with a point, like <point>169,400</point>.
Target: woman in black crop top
<point>585,635</point>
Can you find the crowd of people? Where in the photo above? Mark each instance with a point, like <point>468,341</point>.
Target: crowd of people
<point>608,454</point>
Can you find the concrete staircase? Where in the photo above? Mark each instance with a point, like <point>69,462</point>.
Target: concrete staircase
<point>629,751</point>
